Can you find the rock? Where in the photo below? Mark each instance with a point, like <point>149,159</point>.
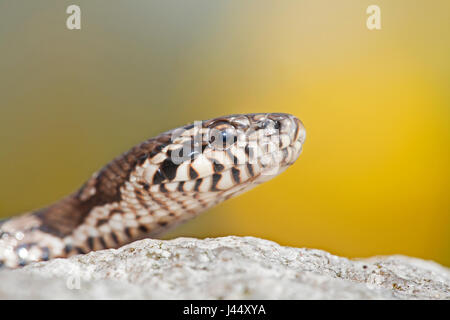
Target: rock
<point>224,268</point>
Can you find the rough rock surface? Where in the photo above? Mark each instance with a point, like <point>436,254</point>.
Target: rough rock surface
<point>225,268</point>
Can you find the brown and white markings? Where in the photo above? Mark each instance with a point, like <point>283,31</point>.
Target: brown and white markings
<point>157,185</point>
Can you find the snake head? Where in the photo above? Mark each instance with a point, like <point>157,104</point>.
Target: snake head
<point>271,141</point>
<point>225,154</point>
<point>265,143</point>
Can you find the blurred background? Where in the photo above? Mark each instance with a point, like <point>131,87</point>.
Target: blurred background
<point>373,178</point>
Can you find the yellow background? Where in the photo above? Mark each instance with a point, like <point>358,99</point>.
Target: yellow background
<point>373,177</point>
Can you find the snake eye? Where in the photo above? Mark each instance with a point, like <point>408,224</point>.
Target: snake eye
<point>221,135</point>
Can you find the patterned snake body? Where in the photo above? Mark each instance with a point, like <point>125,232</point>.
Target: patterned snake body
<point>156,185</point>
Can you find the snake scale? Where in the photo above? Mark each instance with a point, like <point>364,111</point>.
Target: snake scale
<point>156,185</point>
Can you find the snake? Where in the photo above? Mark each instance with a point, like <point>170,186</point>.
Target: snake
<point>155,186</point>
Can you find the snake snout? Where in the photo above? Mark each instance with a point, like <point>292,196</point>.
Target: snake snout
<point>300,132</point>
<point>289,124</point>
